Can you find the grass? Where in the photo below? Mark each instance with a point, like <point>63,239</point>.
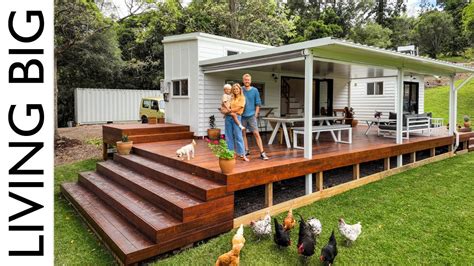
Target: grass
<point>437,101</point>
<point>422,216</point>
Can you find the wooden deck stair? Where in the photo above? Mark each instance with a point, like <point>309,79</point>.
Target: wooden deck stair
<point>471,144</point>
<point>141,207</point>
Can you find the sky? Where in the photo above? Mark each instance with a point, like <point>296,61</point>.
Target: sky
<point>413,6</point>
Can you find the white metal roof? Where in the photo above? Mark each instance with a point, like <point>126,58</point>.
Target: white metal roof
<point>198,35</point>
<point>336,51</point>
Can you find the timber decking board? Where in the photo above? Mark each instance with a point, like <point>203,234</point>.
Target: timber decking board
<point>197,186</point>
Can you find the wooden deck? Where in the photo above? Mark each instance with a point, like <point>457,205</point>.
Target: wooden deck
<point>151,202</point>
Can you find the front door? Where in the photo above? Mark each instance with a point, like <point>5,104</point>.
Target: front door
<point>410,97</point>
<point>322,97</point>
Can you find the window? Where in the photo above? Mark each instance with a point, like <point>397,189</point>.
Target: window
<point>146,103</point>
<point>154,105</point>
<point>229,52</point>
<point>375,88</point>
<point>180,87</point>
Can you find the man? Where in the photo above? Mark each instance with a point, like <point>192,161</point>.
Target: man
<point>250,115</point>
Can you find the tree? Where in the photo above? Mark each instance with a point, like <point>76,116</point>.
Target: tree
<point>371,34</point>
<point>459,40</point>
<point>85,54</point>
<point>262,21</point>
<point>434,32</point>
<point>402,31</point>
<point>468,22</point>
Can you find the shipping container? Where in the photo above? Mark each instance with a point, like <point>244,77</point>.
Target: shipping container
<point>95,106</point>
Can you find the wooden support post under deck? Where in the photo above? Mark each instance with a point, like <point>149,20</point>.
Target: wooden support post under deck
<point>432,152</point>
<point>269,195</point>
<point>386,164</point>
<point>104,151</point>
<point>356,171</point>
<point>319,181</point>
<point>413,157</point>
<point>450,147</point>
<point>465,145</point>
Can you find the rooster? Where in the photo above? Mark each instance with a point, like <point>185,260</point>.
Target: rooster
<point>306,239</point>
<point>329,252</point>
<point>239,236</point>
<point>231,258</point>
<point>316,226</point>
<point>282,236</point>
<point>349,231</point>
<point>262,227</point>
<point>289,222</point>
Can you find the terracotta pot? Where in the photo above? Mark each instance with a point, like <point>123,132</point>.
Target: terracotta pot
<point>161,120</point>
<point>467,124</point>
<point>214,133</point>
<point>354,122</point>
<point>124,148</point>
<point>152,120</point>
<point>227,166</point>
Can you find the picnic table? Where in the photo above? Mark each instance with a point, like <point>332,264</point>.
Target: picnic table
<point>281,122</point>
<point>376,121</point>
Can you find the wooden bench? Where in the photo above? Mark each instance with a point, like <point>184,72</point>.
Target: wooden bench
<point>319,129</point>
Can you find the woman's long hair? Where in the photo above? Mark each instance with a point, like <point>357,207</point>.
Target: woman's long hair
<point>241,94</point>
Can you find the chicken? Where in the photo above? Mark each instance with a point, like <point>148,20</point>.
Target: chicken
<point>289,222</point>
<point>350,232</point>
<point>282,236</point>
<point>239,236</point>
<point>262,227</point>
<point>329,252</point>
<point>230,258</point>
<point>306,239</point>
<point>315,225</point>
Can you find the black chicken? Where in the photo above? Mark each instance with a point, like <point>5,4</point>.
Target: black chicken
<point>281,237</point>
<point>329,252</point>
<point>306,239</point>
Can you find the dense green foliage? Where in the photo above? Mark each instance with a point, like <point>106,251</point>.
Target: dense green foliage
<point>422,216</point>
<point>97,48</point>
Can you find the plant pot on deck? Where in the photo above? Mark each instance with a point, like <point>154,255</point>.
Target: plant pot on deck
<point>354,122</point>
<point>161,120</point>
<point>124,148</point>
<point>152,120</point>
<point>227,166</point>
<point>214,133</point>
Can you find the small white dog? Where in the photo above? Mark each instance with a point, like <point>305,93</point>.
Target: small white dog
<point>187,150</point>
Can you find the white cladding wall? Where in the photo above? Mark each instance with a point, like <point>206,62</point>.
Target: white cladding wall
<point>210,99</point>
<point>365,105</point>
<point>102,105</point>
<point>181,62</point>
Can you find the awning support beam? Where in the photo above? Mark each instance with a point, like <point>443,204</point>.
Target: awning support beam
<point>399,111</point>
<point>308,115</point>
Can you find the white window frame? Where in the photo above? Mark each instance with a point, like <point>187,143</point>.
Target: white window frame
<point>375,83</point>
<point>180,92</point>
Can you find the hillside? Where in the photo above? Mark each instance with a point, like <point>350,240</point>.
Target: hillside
<point>437,101</point>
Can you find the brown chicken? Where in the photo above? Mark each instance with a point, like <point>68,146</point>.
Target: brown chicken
<point>289,222</point>
<point>230,258</point>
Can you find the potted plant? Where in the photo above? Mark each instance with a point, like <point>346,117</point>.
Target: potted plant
<point>160,117</point>
<point>467,121</point>
<point>125,146</point>
<point>349,117</point>
<point>226,156</point>
<point>213,133</point>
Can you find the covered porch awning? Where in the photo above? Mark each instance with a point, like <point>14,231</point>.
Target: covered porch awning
<point>328,57</point>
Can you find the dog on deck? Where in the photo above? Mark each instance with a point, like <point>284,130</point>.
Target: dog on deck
<point>187,150</point>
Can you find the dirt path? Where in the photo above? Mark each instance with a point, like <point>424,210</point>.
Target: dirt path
<point>78,143</point>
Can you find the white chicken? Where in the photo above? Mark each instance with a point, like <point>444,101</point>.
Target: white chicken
<point>315,225</point>
<point>262,227</point>
<point>350,231</point>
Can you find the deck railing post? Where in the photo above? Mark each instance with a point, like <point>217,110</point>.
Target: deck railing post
<point>269,195</point>
<point>308,115</point>
<point>399,111</point>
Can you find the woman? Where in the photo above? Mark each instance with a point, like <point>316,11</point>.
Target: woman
<point>233,134</point>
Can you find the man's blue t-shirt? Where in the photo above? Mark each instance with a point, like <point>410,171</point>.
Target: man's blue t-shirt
<point>252,100</point>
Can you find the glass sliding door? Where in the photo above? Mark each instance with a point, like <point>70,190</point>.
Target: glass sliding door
<point>410,97</point>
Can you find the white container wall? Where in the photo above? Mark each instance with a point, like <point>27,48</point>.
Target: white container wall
<point>93,106</point>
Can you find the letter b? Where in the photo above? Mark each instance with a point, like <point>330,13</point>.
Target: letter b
<point>25,78</point>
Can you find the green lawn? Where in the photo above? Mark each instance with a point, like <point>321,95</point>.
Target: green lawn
<point>425,215</point>
<point>437,101</point>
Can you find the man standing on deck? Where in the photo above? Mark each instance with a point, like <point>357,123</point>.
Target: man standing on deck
<point>250,115</point>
